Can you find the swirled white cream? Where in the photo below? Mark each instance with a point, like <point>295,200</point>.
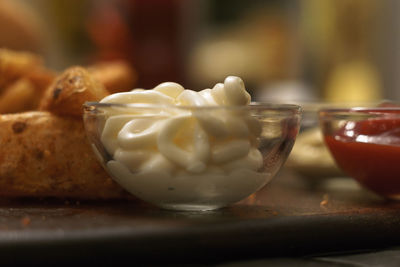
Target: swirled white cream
<point>172,155</point>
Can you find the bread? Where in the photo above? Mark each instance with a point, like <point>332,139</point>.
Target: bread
<point>116,76</point>
<point>70,90</point>
<point>45,155</point>
<point>19,96</point>
<point>14,65</point>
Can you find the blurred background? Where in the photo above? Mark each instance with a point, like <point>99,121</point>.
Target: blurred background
<point>285,50</point>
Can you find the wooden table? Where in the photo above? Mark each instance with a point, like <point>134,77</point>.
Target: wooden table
<point>289,217</point>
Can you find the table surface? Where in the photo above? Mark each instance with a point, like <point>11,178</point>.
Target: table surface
<point>291,216</point>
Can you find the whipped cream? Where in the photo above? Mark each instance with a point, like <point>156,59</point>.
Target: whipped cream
<point>176,152</point>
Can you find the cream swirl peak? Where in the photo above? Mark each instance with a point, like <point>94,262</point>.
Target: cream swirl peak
<point>230,93</point>
<point>190,140</point>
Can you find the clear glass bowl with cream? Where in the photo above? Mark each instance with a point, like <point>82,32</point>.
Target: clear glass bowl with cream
<point>185,150</point>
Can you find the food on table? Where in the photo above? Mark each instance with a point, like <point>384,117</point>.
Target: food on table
<point>310,157</point>
<point>369,149</point>
<point>41,77</point>
<point>24,80</point>
<point>142,142</point>
<point>14,65</point>
<point>19,96</point>
<point>70,91</point>
<point>182,149</point>
<point>45,155</point>
<point>116,76</point>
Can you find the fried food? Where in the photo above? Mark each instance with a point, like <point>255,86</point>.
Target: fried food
<point>310,157</point>
<point>116,76</point>
<point>14,65</point>
<point>70,90</point>
<point>19,96</point>
<point>25,93</point>
<point>41,78</point>
<point>23,80</point>
<point>44,155</point>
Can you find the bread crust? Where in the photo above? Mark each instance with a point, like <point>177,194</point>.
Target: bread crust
<point>116,76</point>
<point>70,90</point>
<point>45,155</point>
<point>14,65</point>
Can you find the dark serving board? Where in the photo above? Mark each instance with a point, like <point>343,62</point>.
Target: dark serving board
<point>289,217</point>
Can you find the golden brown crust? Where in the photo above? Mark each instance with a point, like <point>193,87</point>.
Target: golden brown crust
<point>25,93</point>
<point>70,90</point>
<point>116,76</point>
<point>19,96</point>
<point>23,81</point>
<point>14,65</point>
<point>44,155</point>
<point>41,78</point>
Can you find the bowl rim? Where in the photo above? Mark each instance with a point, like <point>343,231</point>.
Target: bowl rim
<point>360,108</point>
<point>357,110</point>
<point>359,113</point>
<point>292,108</point>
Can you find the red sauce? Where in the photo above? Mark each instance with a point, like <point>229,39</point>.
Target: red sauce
<point>375,165</point>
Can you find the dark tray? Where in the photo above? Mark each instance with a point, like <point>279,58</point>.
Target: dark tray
<point>289,217</point>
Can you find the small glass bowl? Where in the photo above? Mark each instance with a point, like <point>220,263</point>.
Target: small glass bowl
<point>191,158</point>
<point>365,143</point>
<point>310,158</point>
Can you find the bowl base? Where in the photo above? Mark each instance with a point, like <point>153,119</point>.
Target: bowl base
<point>189,207</point>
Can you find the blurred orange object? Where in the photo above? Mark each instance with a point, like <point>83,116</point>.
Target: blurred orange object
<point>18,97</point>
<point>20,27</point>
<point>116,76</point>
<point>15,64</point>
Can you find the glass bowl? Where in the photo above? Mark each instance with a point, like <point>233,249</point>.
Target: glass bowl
<point>191,158</point>
<point>310,158</point>
<point>365,143</point>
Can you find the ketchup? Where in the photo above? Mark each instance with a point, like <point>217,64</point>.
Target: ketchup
<point>369,151</point>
